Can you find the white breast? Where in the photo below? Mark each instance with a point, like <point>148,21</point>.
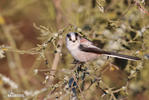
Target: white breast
<point>81,55</point>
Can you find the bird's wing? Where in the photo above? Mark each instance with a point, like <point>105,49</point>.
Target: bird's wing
<point>87,43</point>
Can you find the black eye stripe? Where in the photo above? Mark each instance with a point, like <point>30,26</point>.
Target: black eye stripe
<point>68,35</point>
<point>76,35</point>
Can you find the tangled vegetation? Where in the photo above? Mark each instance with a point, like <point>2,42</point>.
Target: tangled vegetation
<point>34,61</point>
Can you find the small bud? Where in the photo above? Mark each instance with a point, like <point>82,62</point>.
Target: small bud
<point>36,71</point>
<point>47,77</point>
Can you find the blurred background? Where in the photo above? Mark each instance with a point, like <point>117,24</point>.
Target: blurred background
<point>35,64</point>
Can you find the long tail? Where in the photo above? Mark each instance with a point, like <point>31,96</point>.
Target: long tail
<point>113,54</point>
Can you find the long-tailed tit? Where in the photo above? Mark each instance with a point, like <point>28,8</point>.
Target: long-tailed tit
<point>83,50</point>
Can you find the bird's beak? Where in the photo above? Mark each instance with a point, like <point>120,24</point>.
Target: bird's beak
<point>73,41</point>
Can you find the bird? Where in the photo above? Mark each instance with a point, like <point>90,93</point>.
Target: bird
<point>83,50</point>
